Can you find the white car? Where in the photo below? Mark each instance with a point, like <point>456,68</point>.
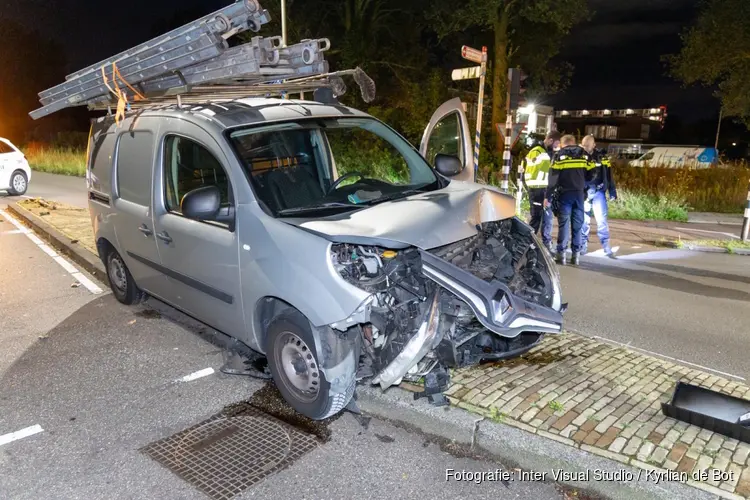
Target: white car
<point>15,173</point>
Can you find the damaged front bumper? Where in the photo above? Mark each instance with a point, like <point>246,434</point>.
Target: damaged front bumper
<point>494,306</point>
<point>492,302</point>
<point>489,297</point>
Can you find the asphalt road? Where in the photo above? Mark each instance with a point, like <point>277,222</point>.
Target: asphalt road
<point>103,380</point>
<point>691,306</point>
<point>63,188</point>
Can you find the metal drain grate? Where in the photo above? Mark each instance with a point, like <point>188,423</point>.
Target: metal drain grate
<point>225,455</point>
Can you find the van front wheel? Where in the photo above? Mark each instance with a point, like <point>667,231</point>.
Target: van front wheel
<point>121,281</point>
<point>292,359</point>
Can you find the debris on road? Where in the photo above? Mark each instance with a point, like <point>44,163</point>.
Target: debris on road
<point>73,222</point>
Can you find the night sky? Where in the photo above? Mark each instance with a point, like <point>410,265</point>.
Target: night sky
<point>617,59</point>
<point>616,54</point>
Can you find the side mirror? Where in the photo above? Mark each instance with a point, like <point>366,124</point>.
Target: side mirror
<point>202,203</point>
<point>448,165</point>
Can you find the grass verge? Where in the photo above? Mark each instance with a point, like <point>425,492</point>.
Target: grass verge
<point>64,161</point>
<point>73,222</point>
<point>641,206</point>
<point>730,245</point>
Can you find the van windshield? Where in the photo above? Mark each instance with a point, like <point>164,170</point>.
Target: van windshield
<point>326,165</point>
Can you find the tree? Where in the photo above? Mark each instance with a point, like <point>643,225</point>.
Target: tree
<point>716,51</point>
<point>30,63</point>
<point>525,33</point>
<point>383,37</point>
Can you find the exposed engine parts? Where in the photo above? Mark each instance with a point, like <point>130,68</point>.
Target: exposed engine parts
<point>506,251</point>
<point>406,305</point>
<point>400,292</point>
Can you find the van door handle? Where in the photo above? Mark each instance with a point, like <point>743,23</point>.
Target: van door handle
<point>145,230</point>
<point>164,236</point>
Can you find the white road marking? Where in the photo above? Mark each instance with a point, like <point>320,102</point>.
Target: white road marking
<point>682,361</point>
<point>62,261</point>
<point>14,436</point>
<point>719,223</point>
<point>14,231</point>
<point>199,374</point>
<point>732,236</point>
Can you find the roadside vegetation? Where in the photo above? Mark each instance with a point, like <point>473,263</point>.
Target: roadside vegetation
<point>730,245</point>
<point>703,190</point>
<point>57,160</point>
<point>645,206</point>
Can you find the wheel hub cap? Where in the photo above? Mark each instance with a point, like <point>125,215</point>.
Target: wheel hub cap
<point>299,366</point>
<point>19,183</point>
<point>117,274</point>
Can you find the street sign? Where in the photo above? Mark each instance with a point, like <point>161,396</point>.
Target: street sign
<point>473,55</point>
<point>515,132</point>
<point>467,73</point>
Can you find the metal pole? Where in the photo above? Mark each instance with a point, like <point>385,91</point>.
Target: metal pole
<point>718,128</point>
<point>283,23</point>
<point>519,191</point>
<point>746,220</point>
<point>508,132</point>
<point>480,106</point>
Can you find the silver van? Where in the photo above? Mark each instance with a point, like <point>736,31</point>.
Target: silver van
<point>319,237</point>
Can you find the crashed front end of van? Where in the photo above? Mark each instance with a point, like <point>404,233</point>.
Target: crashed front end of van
<point>488,296</point>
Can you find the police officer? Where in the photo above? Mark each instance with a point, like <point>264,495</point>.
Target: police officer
<point>570,173</point>
<point>536,172</point>
<point>596,201</point>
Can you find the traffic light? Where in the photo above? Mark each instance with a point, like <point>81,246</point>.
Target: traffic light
<point>516,79</point>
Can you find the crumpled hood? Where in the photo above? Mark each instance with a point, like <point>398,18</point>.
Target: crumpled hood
<point>425,220</point>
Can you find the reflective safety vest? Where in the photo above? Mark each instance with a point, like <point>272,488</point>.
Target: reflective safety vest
<point>536,172</point>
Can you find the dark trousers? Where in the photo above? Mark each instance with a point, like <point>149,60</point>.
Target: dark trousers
<point>540,216</point>
<point>571,214</point>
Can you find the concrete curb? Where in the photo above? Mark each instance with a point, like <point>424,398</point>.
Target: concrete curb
<point>78,254</point>
<point>515,447</point>
<point>700,248</point>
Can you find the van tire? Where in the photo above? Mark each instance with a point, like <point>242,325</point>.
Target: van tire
<point>121,281</point>
<point>18,192</point>
<point>292,332</point>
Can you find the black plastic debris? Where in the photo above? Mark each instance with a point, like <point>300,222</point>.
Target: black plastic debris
<point>435,383</point>
<point>238,361</point>
<point>711,410</point>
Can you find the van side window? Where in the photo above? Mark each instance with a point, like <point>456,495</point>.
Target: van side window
<point>102,149</point>
<point>134,165</point>
<point>188,166</point>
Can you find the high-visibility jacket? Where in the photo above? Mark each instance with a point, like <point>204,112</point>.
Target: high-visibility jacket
<point>536,172</point>
<point>572,170</point>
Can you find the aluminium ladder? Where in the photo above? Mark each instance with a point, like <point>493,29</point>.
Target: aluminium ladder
<point>196,61</point>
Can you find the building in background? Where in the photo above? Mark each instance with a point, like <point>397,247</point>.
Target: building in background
<point>614,125</point>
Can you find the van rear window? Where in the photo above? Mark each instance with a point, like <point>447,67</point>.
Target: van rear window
<point>134,164</point>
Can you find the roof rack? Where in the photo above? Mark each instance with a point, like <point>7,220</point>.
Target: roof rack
<point>202,94</point>
<point>196,62</point>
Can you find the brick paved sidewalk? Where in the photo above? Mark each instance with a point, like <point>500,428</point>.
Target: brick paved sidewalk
<point>607,400</point>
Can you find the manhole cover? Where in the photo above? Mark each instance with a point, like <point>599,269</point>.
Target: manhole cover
<point>225,455</point>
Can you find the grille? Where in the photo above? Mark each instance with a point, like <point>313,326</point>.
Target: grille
<point>225,455</point>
